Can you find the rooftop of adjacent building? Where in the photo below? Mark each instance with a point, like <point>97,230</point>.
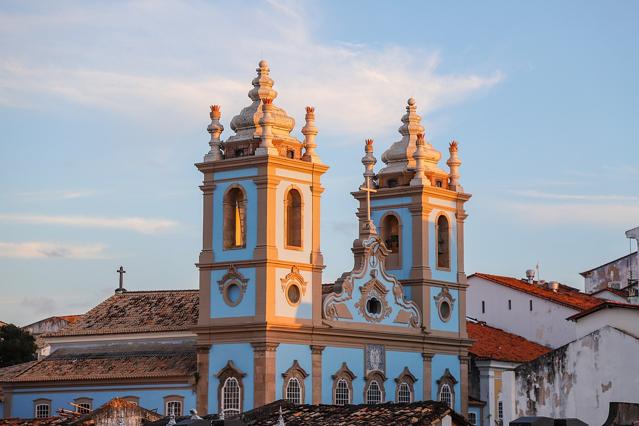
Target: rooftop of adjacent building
<point>499,345</point>
<point>138,312</point>
<point>627,256</point>
<point>606,304</point>
<point>562,294</point>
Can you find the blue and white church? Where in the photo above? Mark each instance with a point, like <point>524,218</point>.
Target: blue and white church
<point>263,325</point>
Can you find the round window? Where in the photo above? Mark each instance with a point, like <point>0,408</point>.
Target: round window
<point>233,294</point>
<point>444,310</point>
<point>373,306</point>
<point>293,294</point>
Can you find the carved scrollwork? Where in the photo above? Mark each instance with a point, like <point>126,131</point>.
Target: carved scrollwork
<point>373,305</point>
<point>233,278</point>
<point>293,278</point>
<point>445,302</point>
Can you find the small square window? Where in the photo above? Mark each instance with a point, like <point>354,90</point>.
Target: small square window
<point>530,303</point>
<point>483,307</point>
<point>510,304</point>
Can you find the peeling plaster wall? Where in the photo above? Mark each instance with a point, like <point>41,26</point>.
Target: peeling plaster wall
<point>580,379</point>
<point>618,270</point>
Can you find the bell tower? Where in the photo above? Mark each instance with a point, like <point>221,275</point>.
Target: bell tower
<point>418,211</point>
<point>261,263</point>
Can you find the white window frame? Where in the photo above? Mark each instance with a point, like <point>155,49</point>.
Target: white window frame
<point>231,411</point>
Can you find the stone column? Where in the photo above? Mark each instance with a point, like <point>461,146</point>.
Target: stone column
<point>463,383</point>
<point>487,391</point>
<point>427,358</point>
<point>420,292</point>
<point>202,386</point>
<point>317,259</point>
<point>264,373</point>
<point>316,375</point>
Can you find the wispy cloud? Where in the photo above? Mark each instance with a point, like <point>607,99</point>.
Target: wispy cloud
<point>57,194</point>
<point>358,88</point>
<point>39,249</point>
<point>137,224</point>
<point>574,197</point>
<point>606,215</point>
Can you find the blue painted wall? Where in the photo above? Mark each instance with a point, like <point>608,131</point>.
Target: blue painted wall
<point>152,399</point>
<point>219,308</point>
<point>1,410</point>
<point>439,365</point>
<point>395,363</point>
<point>477,412</point>
<point>243,179</point>
<point>435,322</point>
<point>285,355</point>
<point>242,356</point>
<point>332,359</point>
<point>406,239</point>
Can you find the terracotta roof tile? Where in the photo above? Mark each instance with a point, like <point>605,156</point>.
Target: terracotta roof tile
<point>494,343</point>
<point>138,312</point>
<point>565,295</point>
<point>416,413</point>
<point>111,362</point>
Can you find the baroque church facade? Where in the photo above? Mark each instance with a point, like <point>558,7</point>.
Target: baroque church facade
<point>392,329</point>
<point>263,325</point>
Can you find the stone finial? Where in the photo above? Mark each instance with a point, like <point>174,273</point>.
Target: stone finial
<point>263,83</point>
<point>215,129</point>
<point>453,163</point>
<point>420,178</point>
<point>310,132</point>
<point>266,144</point>
<point>369,161</point>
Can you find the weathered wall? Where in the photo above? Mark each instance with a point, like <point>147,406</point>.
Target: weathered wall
<point>613,271</point>
<point>580,379</point>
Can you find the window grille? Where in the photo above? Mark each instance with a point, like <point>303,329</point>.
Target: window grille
<point>445,395</point>
<point>84,407</point>
<point>500,410</point>
<point>472,419</point>
<point>42,411</point>
<point>342,393</point>
<point>374,393</point>
<point>294,391</point>
<point>174,408</point>
<point>231,397</point>
<point>403,393</point>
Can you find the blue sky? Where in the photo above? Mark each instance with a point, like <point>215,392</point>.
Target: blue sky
<point>104,105</point>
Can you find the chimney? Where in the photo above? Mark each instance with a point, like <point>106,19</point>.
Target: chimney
<point>530,275</point>
<point>554,286</point>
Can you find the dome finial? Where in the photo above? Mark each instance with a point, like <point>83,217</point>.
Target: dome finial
<point>215,129</point>
<point>420,178</point>
<point>310,132</point>
<point>453,164</point>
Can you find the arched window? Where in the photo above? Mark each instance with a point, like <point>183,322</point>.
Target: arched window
<point>443,243</point>
<point>42,408</point>
<point>293,391</point>
<point>391,237</point>
<point>445,395</point>
<point>83,405</point>
<point>343,385</point>
<point>230,391</point>
<point>373,393</point>
<point>231,397</point>
<point>446,391</point>
<point>405,386</point>
<point>342,393</point>
<point>294,383</point>
<point>293,220</point>
<point>403,393</point>
<point>234,218</point>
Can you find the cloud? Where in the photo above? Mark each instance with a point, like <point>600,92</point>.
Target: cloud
<point>38,250</point>
<point>137,224</point>
<point>57,194</point>
<point>605,215</point>
<point>357,88</point>
<point>574,197</point>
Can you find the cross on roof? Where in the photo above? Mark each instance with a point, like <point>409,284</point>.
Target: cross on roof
<point>121,288</point>
<point>368,189</point>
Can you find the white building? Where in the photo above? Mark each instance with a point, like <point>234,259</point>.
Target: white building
<point>534,310</point>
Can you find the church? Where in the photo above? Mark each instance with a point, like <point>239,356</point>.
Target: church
<point>263,325</point>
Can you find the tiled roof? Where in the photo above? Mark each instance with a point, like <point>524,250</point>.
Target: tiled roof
<point>111,362</point>
<point>70,318</point>
<point>565,295</point>
<point>138,312</point>
<point>606,304</point>
<point>13,370</point>
<point>496,344</point>
<point>416,413</point>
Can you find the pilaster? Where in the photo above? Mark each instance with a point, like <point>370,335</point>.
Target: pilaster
<point>427,359</point>
<point>463,383</point>
<point>202,386</point>
<point>316,375</point>
<point>264,372</point>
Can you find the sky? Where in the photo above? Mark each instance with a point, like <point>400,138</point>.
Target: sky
<point>104,108</point>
